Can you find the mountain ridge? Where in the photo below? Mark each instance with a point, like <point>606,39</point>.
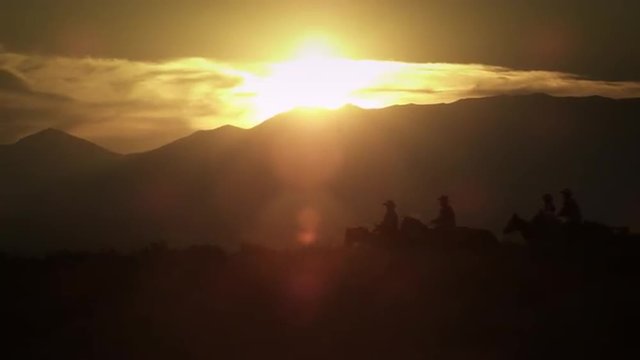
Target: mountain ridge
<point>317,113</point>
<point>323,173</point>
<point>52,139</point>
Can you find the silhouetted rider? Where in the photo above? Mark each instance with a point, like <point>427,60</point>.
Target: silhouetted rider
<point>548,207</point>
<point>546,215</point>
<point>389,225</point>
<point>570,211</point>
<point>447,217</point>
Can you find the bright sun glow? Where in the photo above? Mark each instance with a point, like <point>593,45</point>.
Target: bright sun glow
<point>315,78</point>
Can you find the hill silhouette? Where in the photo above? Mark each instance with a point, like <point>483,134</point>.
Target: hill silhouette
<point>320,171</point>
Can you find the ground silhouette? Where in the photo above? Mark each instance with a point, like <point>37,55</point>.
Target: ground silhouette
<point>502,302</point>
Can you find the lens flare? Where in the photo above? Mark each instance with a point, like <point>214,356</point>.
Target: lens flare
<point>308,222</point>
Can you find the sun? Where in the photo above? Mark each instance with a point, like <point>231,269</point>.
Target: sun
<point>316,77</point>
<point>316,48</point>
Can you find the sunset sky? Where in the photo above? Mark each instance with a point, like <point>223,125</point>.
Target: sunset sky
<point>133,75</point>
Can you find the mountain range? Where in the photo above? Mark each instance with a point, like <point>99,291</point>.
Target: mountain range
<point>305,175</point>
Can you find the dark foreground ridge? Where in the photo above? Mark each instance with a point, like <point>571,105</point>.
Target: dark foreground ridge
<point>320,303</point>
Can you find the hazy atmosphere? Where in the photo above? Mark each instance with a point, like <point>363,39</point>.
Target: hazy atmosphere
<point>319,179</point>
<point>167,70</point>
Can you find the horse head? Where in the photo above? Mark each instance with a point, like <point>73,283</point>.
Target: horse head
<point>411,225</point>
<point>516,223</point>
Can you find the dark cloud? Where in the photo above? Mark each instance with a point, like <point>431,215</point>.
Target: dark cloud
<point>16,123</point>
<point>98,123</point>
<point>24,111</point>
<point>12,82</point>
<point>179,77</point>
<point>217,80</point>
<point>596,38</point>
<point>119,125</point>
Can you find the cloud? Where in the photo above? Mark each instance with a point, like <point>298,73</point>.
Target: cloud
<point>438,83</point>
<point>12,82</point>
<point>23,110</point>
<point>134,105</point>
<point>127,106</point>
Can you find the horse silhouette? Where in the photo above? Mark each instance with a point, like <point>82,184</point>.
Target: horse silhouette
<point>532,232</point>
<point>412,229</point>
<point>586,237</point>
<point>463,238</point>
<point>358,236</point>
<point>414,233</point>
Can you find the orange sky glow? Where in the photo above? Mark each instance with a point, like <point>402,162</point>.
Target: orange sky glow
<point>116,102</point>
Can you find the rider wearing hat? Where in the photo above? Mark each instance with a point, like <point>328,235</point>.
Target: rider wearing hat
<point>389,225</point>
<point>570,211</point>
<point>546,216</point>
<point>447,217</point>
